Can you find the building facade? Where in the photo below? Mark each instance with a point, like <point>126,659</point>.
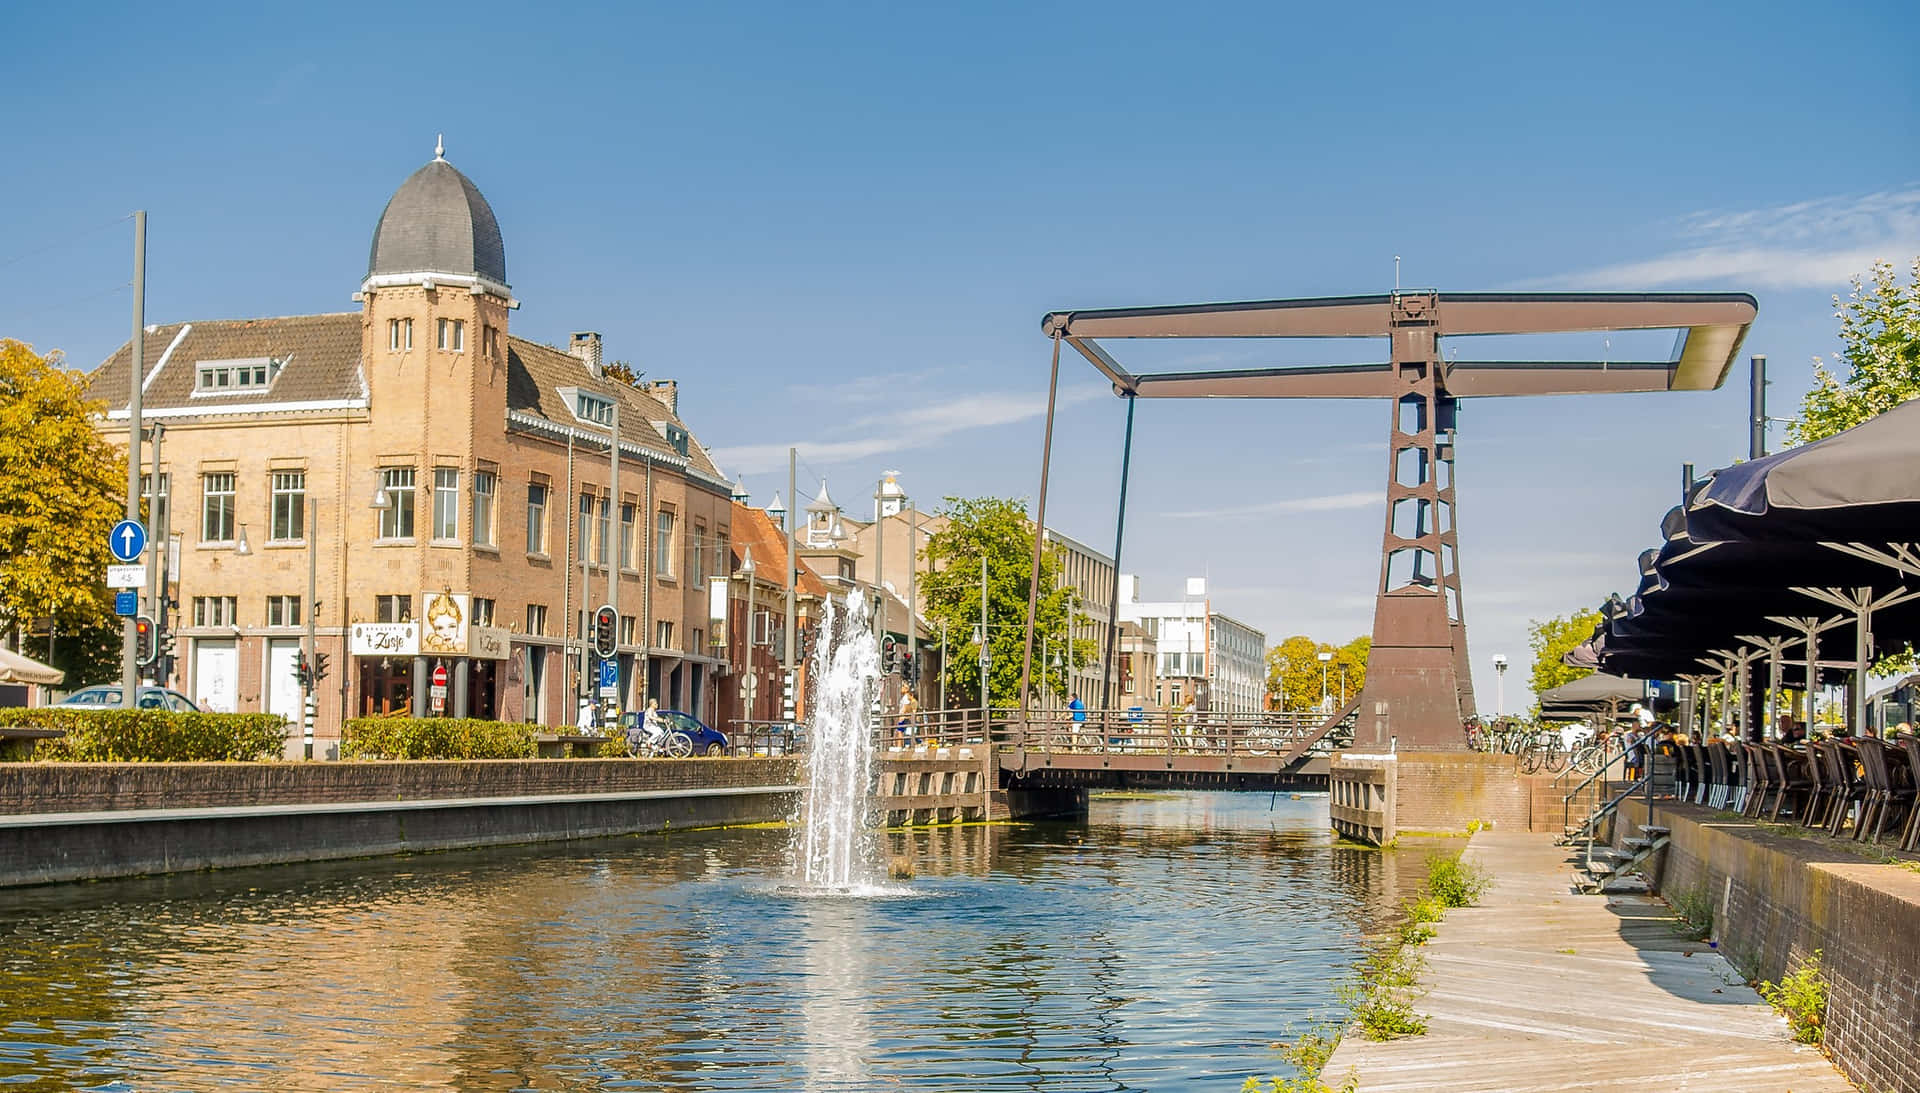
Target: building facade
<point>451,487</point>
<point>1203,657</point>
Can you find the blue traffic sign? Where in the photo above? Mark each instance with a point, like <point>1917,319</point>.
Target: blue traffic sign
<point>609,674</point>
<point>126,602</point>
<point>127,539</point>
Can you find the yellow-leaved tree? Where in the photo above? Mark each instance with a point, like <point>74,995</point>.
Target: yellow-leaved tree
<point>61,489</point>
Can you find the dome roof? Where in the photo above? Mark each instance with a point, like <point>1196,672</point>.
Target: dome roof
<point>438,222</point>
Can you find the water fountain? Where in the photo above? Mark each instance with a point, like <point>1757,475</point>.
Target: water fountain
<point>837,848</point>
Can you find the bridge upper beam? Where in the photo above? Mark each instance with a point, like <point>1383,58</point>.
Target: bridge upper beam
<point>1710,326</point>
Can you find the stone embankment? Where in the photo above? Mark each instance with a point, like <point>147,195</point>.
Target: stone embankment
<point>65,822</point>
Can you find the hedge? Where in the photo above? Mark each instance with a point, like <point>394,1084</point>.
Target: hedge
<point>151,736</point>
<point>436,738</point>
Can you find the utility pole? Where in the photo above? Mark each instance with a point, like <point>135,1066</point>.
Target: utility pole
<point>313,608</point>
<point>986,634</point>
<point>1757,400</point>
<point>156,547</point>
<point>136,369</point>
<point>880,566</point>
<point>913,591</point>
<point>787,651</point>
<point>614,562</point>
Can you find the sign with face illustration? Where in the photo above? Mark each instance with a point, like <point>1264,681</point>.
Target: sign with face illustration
<point>444,623</point>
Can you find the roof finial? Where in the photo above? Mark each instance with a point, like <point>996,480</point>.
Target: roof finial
<point>440,147</point>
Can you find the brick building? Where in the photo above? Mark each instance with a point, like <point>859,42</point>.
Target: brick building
<point>465,507</point>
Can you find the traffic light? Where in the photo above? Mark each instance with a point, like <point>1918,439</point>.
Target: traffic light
<point>145,645</point>
<point>889,655</point>
<point>300,675</point>
<point>605,634</point>
<point>319,667</point>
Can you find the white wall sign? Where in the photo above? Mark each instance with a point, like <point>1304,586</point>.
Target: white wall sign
<point>385,639</point>
<point>488,642</point>
<point>126,576</point>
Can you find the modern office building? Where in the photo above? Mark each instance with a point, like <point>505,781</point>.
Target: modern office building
<point>1203,656</point>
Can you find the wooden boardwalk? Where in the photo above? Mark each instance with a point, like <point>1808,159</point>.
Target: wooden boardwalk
<point>1541,989</point>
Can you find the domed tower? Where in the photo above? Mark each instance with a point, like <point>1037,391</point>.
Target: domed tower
<point>434,308</point>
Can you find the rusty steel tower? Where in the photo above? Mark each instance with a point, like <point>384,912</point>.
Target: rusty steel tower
<point>1418,687</point>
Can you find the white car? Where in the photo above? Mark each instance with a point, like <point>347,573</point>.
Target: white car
<point>106,696</point>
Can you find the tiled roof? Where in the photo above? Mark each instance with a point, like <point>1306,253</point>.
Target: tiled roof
<point>753,528</point>
<point>536,372</point>
<point>320,357</point>
<point>320,362</point>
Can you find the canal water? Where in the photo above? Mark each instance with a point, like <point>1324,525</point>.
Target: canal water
<point>1164,943</point>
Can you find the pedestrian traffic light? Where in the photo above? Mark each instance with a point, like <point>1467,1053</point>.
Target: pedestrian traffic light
<point>605,636</point>
<point>145,645</point>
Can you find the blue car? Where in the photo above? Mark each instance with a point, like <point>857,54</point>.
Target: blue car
<point>706,741</point>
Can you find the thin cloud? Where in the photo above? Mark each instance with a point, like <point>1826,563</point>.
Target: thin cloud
<point>1808,244</point>
<point>1326,503</point>
<point>901,430</point>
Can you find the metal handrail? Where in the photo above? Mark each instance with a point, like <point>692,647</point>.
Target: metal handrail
<point>1593,818</point>
<point>1566,802</point>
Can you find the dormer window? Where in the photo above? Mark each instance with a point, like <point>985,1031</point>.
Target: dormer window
<point>591,407</point>
<point>236,376</point>
<point>677,437</point>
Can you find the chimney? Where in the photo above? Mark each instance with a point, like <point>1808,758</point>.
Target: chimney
<point>668,392</point>
<point>586,346</point>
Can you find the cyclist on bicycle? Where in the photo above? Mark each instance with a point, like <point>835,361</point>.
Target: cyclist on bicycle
<point>652,730</point>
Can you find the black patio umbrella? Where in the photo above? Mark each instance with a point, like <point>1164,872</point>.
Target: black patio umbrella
<point>1861,485</point>
<point>1588,696</point>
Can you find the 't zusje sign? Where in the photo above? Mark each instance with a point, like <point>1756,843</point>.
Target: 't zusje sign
<point>384,639</point>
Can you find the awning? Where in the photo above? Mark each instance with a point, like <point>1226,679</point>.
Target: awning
<point>20,668</point>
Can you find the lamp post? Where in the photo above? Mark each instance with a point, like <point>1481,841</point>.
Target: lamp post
<point>380,503</point>
<point>748,689</point>
<point>1500,673</point>
<point>1325,659</point>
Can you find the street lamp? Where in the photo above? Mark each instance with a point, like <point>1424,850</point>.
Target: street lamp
<point>1324,658</point>
<point>1500,673</point>
<point>746,658</point>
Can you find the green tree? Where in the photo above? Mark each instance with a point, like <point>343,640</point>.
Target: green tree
<point>1550,639</point>
<point>999,530</point>
<point>1880,347</point>
<point>60,492</point>
<point>1294,677</point>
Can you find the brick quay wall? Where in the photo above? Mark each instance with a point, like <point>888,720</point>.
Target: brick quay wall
<point>1777,899</point>
<point>64,822</point>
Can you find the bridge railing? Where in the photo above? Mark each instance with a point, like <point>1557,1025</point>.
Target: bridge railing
<point>1166,732</point>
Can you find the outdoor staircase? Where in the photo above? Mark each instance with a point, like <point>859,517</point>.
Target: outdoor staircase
<point>1604,867</point>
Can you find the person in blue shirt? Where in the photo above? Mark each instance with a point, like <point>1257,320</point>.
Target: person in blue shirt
<point>1079,709</point>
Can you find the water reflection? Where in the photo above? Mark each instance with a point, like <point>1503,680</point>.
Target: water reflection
<point>1163,943</point>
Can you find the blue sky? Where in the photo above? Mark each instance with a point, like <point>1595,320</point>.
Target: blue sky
<point>839,226</point>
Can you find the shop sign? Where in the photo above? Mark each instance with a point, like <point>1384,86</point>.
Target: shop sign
<point>385,639</point>
<point>446,623</point>
<point>488,642</point>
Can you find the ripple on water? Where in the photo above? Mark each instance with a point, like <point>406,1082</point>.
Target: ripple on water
<point>1163,943</point>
